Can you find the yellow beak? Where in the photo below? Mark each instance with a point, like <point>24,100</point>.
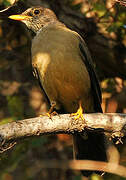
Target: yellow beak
<point>19,17</point>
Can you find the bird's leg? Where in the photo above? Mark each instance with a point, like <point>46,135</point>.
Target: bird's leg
<point>50,113</point>
<point>79,113</point>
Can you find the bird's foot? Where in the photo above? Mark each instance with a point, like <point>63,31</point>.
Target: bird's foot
<point>50,113</point>
<point>79,113</point>
<point>79,118</point>
<point>54,113</point>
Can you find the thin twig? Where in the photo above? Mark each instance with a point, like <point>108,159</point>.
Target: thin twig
<point>82,165</point>
<point>3,10</point>
<point>122,2</point>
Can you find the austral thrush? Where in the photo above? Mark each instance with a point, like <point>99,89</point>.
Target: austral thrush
<point>65,71</point>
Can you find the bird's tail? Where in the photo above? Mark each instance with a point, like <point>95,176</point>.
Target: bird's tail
<point>90,146</point>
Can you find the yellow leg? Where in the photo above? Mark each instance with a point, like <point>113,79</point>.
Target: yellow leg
<point>79,113</point>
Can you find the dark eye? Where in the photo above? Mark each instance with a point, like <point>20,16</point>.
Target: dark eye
<point>36,12</point>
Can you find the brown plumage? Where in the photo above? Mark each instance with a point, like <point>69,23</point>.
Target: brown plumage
<point>65,71</point>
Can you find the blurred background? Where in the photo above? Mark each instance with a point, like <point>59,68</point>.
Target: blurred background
<point>102,24</point>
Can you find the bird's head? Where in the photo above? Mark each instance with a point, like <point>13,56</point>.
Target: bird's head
<point>35,18</point>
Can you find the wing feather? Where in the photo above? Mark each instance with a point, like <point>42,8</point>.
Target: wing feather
<point>95,87</point>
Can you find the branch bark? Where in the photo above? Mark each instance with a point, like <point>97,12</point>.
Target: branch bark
<point>112,123</point>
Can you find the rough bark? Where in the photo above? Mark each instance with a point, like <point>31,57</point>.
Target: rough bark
<point>114,124</point>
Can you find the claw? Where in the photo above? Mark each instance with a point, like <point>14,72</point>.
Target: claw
<point>50,113</point>
<point>46,114</point>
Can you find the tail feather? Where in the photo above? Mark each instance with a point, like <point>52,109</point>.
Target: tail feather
<point>90,146</point>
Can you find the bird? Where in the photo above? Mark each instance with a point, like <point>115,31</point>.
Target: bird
<point>63,66</point>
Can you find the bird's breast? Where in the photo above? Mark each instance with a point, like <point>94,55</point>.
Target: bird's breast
<point>63,74</point>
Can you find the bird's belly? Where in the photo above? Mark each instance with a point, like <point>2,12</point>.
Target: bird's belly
<point>66,85</point>
<point>63,73</point>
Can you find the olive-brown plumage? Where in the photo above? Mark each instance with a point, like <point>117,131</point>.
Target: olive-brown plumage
<point>64,68</point>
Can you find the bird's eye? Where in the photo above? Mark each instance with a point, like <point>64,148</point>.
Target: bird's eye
<point>36,12</point>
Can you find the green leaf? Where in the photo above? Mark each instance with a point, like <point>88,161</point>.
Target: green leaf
<point>99,8</point>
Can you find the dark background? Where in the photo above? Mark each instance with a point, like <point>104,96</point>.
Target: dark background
<point>101,24</point>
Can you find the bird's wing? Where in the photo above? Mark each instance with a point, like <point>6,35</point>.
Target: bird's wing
<point>95,87</point>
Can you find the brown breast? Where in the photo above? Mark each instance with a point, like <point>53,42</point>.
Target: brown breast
<point>64,77</point>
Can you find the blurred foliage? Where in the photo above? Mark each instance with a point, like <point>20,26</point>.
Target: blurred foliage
<point>20,96</point>
<point>6,3</point>
<point>96,177</point>
<point>110,16</point>
<point>15,107</point>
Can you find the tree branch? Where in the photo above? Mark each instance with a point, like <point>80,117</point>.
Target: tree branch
<point>113,123</point>
<point>81,165</point>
